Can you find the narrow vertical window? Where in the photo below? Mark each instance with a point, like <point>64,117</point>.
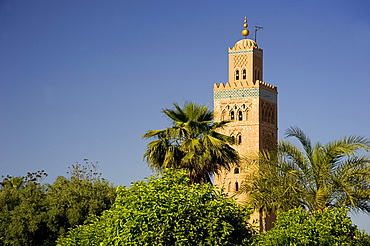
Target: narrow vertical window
<point>244,74</point>
<point>237,75</point>
<point>223,115</point>
<point>240,115</point>
<point>239,139</point>
<point>236,186</point>
<point>255,76</point>
<point>259,77</point>
<point>232,116</point>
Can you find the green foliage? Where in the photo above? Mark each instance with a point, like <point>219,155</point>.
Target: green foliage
<point>192,143</point>
<point>85,171</point>
<point>271,185</point>
<point>299,227</point>
<point>19,182</point>
<point>31,214</point>
<point>73,201</point>
<point>316,177</point>
<point>22,211</point>
<point>166,211</point>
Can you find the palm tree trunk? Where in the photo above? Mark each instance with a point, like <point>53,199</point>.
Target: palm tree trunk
<point>263,220</point>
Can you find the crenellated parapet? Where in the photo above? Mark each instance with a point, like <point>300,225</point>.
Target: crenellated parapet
<point>230,86</point>
<point>240,89</point>
<point>244,84</point>
<point>267,86</point>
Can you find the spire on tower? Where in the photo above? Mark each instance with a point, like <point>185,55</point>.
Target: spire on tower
<point>245,32</point>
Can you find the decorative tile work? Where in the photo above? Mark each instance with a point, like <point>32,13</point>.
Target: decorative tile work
<point>269,96</point>
<point>240,61</point>
<point>238,52</point>
<point>245,93</point>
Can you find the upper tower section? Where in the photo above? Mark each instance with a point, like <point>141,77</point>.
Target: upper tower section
<point>245,61</point>
<point>245,71</point>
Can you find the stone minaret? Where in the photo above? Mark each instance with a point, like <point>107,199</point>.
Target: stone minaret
<point>251,107</point>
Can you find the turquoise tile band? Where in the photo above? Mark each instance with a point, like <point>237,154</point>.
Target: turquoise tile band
<point>245,93</point>
<point>237,52</point>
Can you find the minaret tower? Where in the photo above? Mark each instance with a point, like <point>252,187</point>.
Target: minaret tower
<point>251,107</point>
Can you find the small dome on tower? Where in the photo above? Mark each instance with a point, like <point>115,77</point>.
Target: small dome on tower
<point>244,44</point>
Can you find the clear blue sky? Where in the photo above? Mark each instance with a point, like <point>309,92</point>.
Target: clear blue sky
<point>85,79</point>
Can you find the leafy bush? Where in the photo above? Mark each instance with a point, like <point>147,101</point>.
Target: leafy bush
<point>22,212</point>
<point>72,201</point>
<point>166,211</point>
<point>299,227</point>
<point>35,214</point>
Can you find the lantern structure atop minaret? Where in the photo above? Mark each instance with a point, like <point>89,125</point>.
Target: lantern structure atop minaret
<point>251,107</point>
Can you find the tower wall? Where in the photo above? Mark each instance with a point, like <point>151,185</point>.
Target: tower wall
<point>251,107</point>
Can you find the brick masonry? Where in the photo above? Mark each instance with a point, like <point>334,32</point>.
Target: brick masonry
<point>251,107</point>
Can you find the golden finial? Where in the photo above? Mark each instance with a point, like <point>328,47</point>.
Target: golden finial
<point>245,32</point>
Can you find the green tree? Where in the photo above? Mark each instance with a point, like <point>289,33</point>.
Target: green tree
<point>73,201</point>
<point>35,214</point>
<point>23,210</point>
<point>166,211</point>
<point>84,171</point>
<point>320,176</point>
<point>192,143</point>
<point>327,227</point>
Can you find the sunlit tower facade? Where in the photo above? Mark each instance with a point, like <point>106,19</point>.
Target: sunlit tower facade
<point>251,107</point>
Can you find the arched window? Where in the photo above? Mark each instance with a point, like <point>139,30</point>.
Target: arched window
<point>236,170</point>
<point>269,116</point>
<point>223,115</point>
<point>236,186</point>
<point>239,139</point>
<point>232,116</point>
<point>237,75</point>
<point>258,74</point>
<point>240,115</point>
<point>233,139</point>
<point>244,74</point>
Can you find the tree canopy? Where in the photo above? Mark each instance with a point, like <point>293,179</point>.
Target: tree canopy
<point>316,177</point>
<point>35,214</point>
<point>192,143</point>
<point>73,201</point>
<point>23,210</point>
<point>166,211</point>
<point>299,227</point>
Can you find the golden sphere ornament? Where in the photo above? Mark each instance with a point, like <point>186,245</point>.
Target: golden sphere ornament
<point>245,32</point>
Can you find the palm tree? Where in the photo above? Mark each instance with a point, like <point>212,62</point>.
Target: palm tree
<point>319,176</point>
<point>192,143</point>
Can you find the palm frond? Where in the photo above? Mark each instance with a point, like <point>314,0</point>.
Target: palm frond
<point>154,133</point>
<point>296,132</point>
<point>191,143</point>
